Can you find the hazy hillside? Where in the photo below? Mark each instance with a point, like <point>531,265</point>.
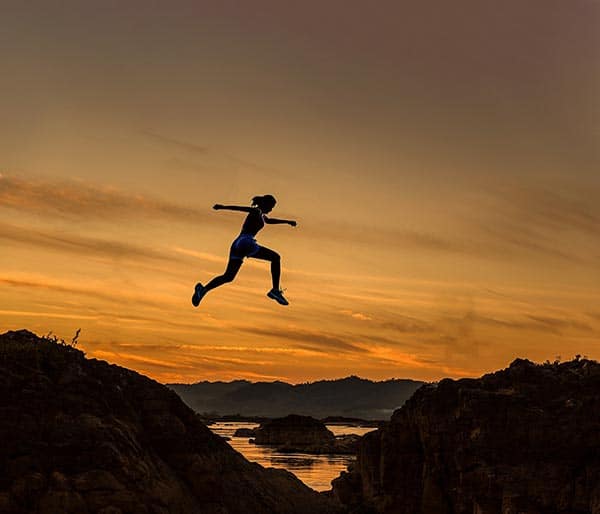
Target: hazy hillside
<point>349,397</point>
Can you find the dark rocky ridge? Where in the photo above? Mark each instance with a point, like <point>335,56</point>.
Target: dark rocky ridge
<point>82,436</point>
<point>524,440</point>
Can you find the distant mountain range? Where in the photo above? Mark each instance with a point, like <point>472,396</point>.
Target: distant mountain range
<point>351,397</point>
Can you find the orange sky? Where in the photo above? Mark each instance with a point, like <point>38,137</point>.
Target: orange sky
<point>441,160</point>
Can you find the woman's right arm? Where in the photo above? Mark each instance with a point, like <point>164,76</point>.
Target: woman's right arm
<point>218,207</point>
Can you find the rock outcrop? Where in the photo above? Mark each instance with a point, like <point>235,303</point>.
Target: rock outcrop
<point>82,436</point>
<point>525,440</point>
<point>296,433</point>
<point>244,432</point>
<point>299,431</point>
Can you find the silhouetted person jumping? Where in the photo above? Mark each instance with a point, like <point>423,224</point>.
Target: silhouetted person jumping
<point>246,246</point>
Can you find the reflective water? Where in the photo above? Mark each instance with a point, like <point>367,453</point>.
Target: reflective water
<point>316,471</point>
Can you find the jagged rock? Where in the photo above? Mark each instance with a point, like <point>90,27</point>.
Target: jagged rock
<point>82,436</point>
<point>524,440</point>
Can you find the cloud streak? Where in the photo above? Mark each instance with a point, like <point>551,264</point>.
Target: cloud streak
<point>89,246</point>
<point>310,340</point>
<point>541,221</point>
<point>561,209</point>
<point>55,287</point>
<point>206,153</point>
<point>176,143</point>
<point>72,199</point>
<point>373,235</point>
<point>520,219</point>
<point>512,220</point>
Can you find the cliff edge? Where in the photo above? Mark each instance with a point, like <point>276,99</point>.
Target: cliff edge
<point>524,440</point>
<point>83,436</point>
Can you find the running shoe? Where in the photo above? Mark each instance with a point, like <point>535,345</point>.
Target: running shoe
<point>277,295</point>
<point>199,293</point>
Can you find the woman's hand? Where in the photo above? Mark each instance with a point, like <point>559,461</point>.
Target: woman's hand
<point>217,206</point>
<point>293,223</point>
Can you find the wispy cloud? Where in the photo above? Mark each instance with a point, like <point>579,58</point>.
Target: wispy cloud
<point>536,323</point>
<point>373,235</point>
<point>542,221</point>
<point>518,219</point>
<point>176,143</point>
<point>154,322</point>
<point>279,350</point>
<point>562,208</point>
<point>506,221</point>
<point>138,359</point>
<point>75,199</point>
<point>72,243</point>
<point>162,357</point>
<point>356,315</point>
<point>310,340</point>
<point>199,255</point>
<point>38,314</point>
<point>407,325</point>
<point>513,234</point>
<point>560,324</point>
<point>208,155</point>
<point>72,290</point>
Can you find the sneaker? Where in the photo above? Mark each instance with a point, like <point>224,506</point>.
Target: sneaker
<point>277,295</point>
<point>199,293</point>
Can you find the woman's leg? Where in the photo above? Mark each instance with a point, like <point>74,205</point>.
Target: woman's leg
<point>269,255</point>
<point>233,266</point>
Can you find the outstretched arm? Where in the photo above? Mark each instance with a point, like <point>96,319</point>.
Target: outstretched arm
<point>274,221</point>
<point>218,207</point>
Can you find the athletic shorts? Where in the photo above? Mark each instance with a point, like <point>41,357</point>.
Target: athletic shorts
<point>244,246</point>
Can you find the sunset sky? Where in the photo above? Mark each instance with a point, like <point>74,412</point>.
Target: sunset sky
<point>441,158</point>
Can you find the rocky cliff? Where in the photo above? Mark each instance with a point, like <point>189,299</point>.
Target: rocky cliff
<point>525,440</point>
<point>82,436</point>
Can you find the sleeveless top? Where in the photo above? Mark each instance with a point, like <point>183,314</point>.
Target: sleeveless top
<point>253,223</point>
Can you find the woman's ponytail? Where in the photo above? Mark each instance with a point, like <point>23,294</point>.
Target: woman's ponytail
<point>264,202</point>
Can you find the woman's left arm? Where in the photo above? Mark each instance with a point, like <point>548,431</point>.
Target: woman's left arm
<point>275,221</point>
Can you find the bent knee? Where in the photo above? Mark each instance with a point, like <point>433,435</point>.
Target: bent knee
<point>228,277</point>
<point>276,257</point>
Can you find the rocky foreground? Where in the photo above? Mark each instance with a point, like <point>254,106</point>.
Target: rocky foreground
<point>525,440</point>
<point>82,436</point>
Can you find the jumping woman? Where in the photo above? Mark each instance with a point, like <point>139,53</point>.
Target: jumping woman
<point>246,246</point>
